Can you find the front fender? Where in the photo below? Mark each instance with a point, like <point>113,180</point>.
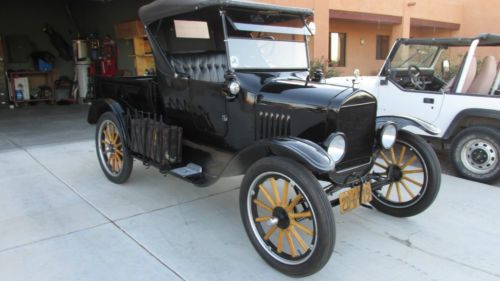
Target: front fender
<point>308,153</point>
<point>405,121</point>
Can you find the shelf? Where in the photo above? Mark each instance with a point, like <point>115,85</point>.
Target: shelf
<point>30,73</point>
<point>34,100</point>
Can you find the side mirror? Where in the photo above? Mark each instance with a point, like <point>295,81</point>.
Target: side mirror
<point>445,67</point>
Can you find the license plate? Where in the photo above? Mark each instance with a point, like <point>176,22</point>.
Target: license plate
<point>350,199</point>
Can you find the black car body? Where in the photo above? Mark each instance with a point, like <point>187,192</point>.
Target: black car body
<point>233,96</point>
<point>275,109</point>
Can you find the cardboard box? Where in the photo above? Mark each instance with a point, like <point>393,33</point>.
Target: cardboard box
<point>130,29</point>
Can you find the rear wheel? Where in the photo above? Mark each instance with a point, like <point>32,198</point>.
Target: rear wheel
<point>115,159</point>
<point>474,154</point>
<point>414,174</point>
<point>287,216</point>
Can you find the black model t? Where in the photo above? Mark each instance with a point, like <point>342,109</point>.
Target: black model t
<point>233,96</point>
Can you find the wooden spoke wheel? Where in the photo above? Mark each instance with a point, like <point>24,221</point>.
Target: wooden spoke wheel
<point>114,158</point>
<point>414,176</point>
<point>287,216</point>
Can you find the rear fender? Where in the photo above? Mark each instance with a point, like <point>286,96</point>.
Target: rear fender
<point>408,121</point>
<point>101,106</point>
<point>308,153</point>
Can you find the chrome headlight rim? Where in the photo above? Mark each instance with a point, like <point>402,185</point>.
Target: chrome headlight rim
<point>388,135</point>
<point>336,146</point>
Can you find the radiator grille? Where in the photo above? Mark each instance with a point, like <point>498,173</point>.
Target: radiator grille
<point>271,125</point>
<point>358,123</point>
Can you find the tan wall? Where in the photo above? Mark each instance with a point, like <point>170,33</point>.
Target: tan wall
<point>358,55</point>
<point>474,17</point>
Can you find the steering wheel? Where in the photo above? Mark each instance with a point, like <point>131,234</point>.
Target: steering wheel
<point>416,77</point>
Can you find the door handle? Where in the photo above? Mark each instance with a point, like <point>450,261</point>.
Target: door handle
<point>429,100</point>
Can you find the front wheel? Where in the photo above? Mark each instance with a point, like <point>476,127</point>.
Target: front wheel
<point>474,154</point>
<point>287,216</point>
<point>413,175</point>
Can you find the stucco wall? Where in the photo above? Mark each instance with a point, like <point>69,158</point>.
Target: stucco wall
<point>358,55</point>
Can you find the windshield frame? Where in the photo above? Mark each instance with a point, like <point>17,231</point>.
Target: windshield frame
<point>386,69</point>
<point>226,19</point>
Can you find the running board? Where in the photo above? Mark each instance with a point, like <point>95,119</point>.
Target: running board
<point>188,171</point>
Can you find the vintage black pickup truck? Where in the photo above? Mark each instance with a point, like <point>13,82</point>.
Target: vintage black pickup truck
<point>233,96</point>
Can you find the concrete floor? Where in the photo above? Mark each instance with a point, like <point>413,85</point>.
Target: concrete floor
<point>61,219</point>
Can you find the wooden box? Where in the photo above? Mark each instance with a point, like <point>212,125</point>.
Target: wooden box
<point>130,29</point>
<point>141,46</point>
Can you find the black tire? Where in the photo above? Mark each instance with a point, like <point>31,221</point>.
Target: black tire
<point>314,199</point>
<point>430,178</point>
<point>122,174</point>
<point>477,143</point>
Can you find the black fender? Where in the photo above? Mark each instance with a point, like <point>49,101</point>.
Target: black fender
<point>405,121</point>
<point>308,153</point>
<point>467,113</point>
<point>101,106</point>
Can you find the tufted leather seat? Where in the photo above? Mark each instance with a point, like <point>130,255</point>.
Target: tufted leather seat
<point>206,66</point>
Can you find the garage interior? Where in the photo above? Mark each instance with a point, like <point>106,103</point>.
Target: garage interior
<point>49,53</point>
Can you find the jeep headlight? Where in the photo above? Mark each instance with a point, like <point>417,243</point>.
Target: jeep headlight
<point>336,145</point>
<point>388,135</point>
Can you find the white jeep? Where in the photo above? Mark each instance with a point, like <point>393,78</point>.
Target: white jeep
<point>452,83</point>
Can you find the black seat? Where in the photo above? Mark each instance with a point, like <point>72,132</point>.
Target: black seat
<point>209,67</point>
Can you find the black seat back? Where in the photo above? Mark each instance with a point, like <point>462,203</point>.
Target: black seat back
<point>209,67</point>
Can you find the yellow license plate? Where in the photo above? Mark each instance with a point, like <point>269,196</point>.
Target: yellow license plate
<point>350,199</point>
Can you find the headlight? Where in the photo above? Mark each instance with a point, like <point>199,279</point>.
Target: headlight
<point>336,146</point>
<point>234,88</point>
<point>388,135</point>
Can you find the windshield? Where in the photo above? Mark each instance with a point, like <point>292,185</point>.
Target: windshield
<point>419,55</point>
<point>267,41</point>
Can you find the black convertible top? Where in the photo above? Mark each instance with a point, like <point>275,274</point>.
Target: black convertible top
<point>165,8</point>
<point>485,39</point>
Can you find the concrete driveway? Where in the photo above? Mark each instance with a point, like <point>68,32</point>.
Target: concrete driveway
<point>61,219</point>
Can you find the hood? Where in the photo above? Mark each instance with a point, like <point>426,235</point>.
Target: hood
<point>296,94</point>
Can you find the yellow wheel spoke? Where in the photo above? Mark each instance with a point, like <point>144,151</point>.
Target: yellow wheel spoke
<point>270,232</point>
<point>413,181</point>
<point>384,157</point>
<point>300,215</point>
<point>262,205</point>
<point>398,189</point>
<point>408,190</point>
<point>290,243</point>
<point>401,155</point>
<point>393,156</point>
<point>409,162</point>
<point>299,239</point>
<point>388,191</point>
<point>267,195</point>
<point>294,202</point>
<point>275,191</point>
<point>280,241</point>
<point>302,227</point>
<point>285,195</point>
<point>118,152</point>
<point>262,219</point>
<point>417,171</point>
<point>380,165</point>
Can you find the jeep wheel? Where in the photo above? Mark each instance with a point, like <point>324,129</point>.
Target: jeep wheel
<point>287,216</point>
<point>414,174</point>
<point>474,154</point>
<point>114,158</point>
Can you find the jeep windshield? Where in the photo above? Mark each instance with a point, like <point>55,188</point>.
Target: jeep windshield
<point>421,56</point>
<point>267,41</point>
